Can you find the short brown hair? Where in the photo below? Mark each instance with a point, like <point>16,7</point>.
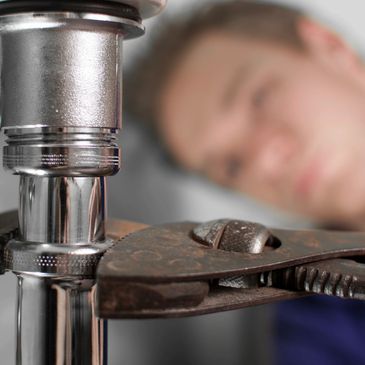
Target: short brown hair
<point>256,20</point>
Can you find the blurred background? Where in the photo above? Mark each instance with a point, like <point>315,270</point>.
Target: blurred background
<point>151,190</point>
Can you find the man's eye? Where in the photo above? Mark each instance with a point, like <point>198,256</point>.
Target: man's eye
<point>233,168</point>
<point>259,97</point>
<point>261,94</point>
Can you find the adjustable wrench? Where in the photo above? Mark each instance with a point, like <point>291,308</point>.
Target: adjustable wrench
<point>186,269</point>
<point>189,269</point>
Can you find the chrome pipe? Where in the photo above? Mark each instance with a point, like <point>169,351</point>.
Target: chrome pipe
<point>57,323</point>
<point>61,108</point>
<point>61,92</point>
<point>61,240</point>
<point>60,70</point>
<point>61,97</point>
<point>62,210</point>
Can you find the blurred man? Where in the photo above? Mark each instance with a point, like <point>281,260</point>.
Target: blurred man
<point>262,99</point>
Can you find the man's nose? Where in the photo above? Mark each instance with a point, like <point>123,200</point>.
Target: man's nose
<point>271,156</point>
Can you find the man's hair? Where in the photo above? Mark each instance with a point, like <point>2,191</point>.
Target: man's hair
<point>259,21</point>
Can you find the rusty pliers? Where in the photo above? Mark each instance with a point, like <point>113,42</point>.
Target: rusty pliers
<point>187,268</point>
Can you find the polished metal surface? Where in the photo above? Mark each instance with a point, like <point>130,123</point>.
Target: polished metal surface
<point>59,70</point>
<point>62,210</point>
<point>61,92</point>
<point>52,259</point>
<point>62,152</point>
<point>57,323</point>
<point>61,99</point>
<point>147,8</point>
<point>61,240</point>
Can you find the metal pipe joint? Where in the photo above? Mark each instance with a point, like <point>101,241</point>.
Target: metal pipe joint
<point>61,99</point>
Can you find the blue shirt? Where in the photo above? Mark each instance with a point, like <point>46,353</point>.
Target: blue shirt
<point>320,330</point>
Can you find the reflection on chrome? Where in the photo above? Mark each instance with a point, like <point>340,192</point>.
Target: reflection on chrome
<point>61,100</point>
<point>67,210</point>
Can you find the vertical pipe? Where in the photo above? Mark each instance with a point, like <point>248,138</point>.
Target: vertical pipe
<point>57,323</point>
<point>61,108</point>
<point>56,310</point>
<point>62,210</point>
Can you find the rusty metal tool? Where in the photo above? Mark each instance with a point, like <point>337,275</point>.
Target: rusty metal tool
<point>189,269</point>
<point>338,277</point>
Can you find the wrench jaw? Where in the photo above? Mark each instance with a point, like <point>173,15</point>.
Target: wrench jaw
<point>145,300</point>
<point>153,296</point>
<point>165,271</point>
<point>138,299</point>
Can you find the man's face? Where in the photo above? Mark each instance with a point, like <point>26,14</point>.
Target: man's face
<point>284,126</point>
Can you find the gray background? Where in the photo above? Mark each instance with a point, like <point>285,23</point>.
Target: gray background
<point>149,190</point>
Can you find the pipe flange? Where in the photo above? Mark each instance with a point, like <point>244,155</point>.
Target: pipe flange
<point>54,259</point>
<point>70,152</point>
<point>132,9</point>
<point>65,161</point>
<point>99,7</point>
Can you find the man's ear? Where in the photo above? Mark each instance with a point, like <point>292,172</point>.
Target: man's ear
<point>325,44</point>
